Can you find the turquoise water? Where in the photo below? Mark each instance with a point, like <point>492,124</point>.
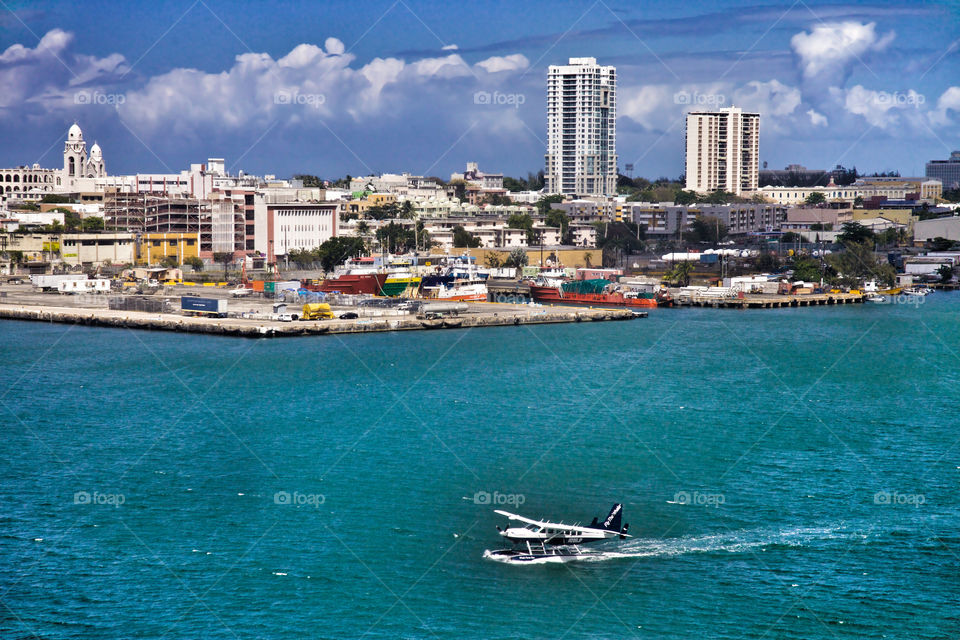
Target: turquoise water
<point>786,474</point>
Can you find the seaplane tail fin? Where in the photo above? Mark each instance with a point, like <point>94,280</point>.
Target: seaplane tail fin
<point>612,521</point>
<point>623,532</point>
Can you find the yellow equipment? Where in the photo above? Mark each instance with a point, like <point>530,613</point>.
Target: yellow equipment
<point>317,311</point>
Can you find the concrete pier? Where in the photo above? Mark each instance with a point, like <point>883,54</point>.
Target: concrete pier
<point>479,315</point>
<point>755,301</point>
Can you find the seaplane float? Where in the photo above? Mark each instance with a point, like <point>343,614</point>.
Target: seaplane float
<point>538,541</point>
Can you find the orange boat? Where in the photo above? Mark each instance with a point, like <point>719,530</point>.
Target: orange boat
<point>596,293</point>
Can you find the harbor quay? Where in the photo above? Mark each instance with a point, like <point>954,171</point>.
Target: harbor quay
<point>257,318</point>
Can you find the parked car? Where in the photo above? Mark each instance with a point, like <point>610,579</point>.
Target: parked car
<point>349,315</point>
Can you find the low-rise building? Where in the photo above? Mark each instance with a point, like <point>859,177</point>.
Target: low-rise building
<point>947,227</point>
<point>283,227</point>
<point>95,249</point>
<point>153,248</point>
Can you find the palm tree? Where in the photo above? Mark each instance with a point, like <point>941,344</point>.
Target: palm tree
<point>680,274</point>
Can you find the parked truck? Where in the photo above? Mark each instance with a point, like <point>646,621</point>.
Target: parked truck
<point>317,311</point>
<point>214,307</point>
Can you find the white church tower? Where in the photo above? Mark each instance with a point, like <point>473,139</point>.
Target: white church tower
<point>79,170</point>
<point>74,154</point>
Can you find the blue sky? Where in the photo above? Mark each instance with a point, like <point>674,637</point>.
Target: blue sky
<point>332,88</point>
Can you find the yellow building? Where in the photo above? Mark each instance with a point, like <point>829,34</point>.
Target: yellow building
<point>154,247</point>
<point>371,200</point>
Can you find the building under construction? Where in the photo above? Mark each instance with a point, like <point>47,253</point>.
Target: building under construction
<point>219,222</point>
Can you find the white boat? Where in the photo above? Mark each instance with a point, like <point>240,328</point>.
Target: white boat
<point>875,297</point>
<point>459,291</point>
<point>917,291</point>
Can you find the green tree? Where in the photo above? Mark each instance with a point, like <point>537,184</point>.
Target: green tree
<point>858,262</point>
<point>790,237</point>
<point>194,263</point>
<point>396,237</point>
<point>815,198</point>
<point>707,229</point>
<point>545,204</point>
<point>522,221</point>
<point>558,218</point>
<point>170,262</point>
<point>946,273</point>
<point>767,262</point>
<point>858,202</point>
<point>679,274</point>
<point>463,238</point>
<point>940,244</point>
<point>517,258</point>
<point>806,269</point>
<point>93,223</point>
<point>407,210</point>
<point>224,258</point>
<point>72,221</point>
<point>336,250</point>
<point>55,198</point>
<point>493,259</point>
<point>854,232</point>
<point>685,197</point>
<point>308,180</point>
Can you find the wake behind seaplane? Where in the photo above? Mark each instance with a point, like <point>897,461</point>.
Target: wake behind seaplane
<point>542,541</point>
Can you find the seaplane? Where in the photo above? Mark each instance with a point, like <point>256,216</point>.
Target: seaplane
<point>539,541</point>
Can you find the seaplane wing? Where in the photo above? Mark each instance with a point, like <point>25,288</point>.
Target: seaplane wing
<point>544,523</point>
<point>610,526</point>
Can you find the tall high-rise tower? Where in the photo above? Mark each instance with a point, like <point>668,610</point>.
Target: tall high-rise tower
<point>581,154</point>
<point>723,151</point>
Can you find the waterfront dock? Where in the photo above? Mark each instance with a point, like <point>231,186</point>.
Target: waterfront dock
<point>757,301</point>
<point>478,315</point>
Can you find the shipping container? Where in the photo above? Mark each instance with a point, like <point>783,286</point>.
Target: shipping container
<point>203,306</point>
<point>258,285</point>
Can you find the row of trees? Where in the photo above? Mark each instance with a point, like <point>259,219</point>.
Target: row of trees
<point>331,253</point>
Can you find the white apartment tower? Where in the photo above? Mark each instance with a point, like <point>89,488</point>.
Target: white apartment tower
<point>581,154</point>
<point>723,150</point>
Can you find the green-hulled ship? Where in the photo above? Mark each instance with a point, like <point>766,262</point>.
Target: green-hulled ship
<point>400,283</point>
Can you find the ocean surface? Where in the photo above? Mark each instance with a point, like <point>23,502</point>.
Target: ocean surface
<point>786,474</point>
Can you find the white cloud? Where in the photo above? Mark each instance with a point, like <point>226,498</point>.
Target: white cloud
<point>51,44</point>
<point>449,47</point>
<point>662,107</point>
<point>949,100</point>
<point>817,119</point>
<point>771,99</point>
<point>495,64</point>
<point>882,109</point>
<point>829,50</point>
<point>48,76</point>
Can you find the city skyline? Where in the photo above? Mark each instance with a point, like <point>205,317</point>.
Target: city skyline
<point>410,87</point>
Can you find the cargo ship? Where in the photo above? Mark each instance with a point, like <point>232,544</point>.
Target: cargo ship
<point>596,293</point>
<point>355,281</point>
<point>399,282</point>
